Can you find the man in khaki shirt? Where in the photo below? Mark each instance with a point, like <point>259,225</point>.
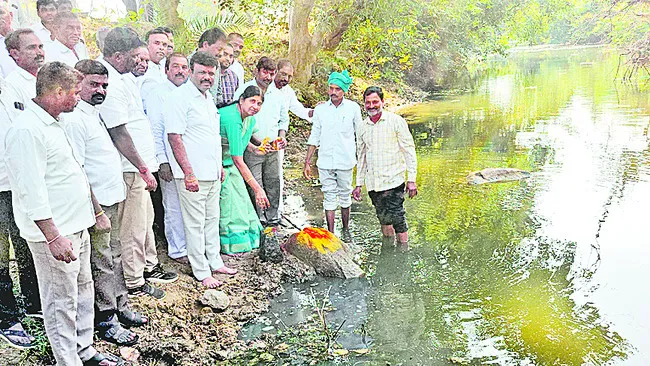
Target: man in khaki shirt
<point>385,152</point>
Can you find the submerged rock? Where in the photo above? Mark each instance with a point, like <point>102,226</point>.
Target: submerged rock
<point>215,299</point>
<point>496,175</point>
<point>322,250</point>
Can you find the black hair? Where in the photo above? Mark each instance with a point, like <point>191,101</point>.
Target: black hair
<point>158,30</point>
<point>173,55</point>
<point>266,63</point>
<point>63,2</point>
<point>121,39</point>
<point>203,58</point>
<point>91,67</point>
<point>42,3</point>
<point>212,36</point>
<point>374,90</point>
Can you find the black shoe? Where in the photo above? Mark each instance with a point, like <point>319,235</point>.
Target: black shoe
<point>158,275</point>
<point>147,289</point>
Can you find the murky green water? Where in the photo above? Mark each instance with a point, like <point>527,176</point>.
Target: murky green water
<point>549,271</point>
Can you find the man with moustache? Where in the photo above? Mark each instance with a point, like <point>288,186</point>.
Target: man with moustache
<point>177,70</point>
<point>131,133</point>
<point>192,127</point>
<point>100,159</point>
<point>386,158</point>
<point>27,50</point>
<point>281,82</point>
<point>46,11</point>
<point>54,207</point>
<point>66,46</point>
<point>7,64</point>
<point>143,62</point>
<point>157,43</point>
<point>332,133</point>
<point>237,42</point>
<point>273,123</point>
<point>227,78</point>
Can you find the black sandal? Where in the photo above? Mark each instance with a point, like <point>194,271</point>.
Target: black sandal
<point>6,334</point>
<point>116,334</point>
<point>130,318</point>
<point>98,358</point>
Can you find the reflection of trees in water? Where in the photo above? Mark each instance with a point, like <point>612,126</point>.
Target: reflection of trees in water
<point>483,277</point>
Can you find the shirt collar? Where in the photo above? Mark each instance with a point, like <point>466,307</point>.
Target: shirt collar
<point>85,107</point>
<point>60,46</point>
<point>194,91</point>
<point>25,74</point>
<point>111,70</point>
<point>329,103</point>
<point>382,118</point>
<point>40,112</point>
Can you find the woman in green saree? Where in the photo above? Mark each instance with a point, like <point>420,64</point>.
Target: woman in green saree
<point>239,226</point>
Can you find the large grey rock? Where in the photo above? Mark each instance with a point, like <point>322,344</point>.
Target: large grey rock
<point>496,175</point>
<point>327,254</point>
<point>215,299</point>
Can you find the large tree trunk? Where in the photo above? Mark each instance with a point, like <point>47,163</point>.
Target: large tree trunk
<point>303,47</point>
<point>172,14</point>
<point>131,5</point>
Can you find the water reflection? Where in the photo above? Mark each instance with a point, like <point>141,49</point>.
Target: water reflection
<point>546,271</point>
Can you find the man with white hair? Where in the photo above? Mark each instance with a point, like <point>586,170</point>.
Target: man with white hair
<point>7,64</point>
<point>67,46</point>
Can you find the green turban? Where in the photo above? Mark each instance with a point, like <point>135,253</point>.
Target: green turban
<point>342,79</point>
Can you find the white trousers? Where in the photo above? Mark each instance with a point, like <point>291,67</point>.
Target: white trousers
<point>201,219</point>
<point>336,187</point>
<point>174,231</point>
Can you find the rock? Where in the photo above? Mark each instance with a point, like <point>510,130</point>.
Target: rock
<point>320,249</point>
<point>270,250</point>
<point>496,175</point>
<point>215,299</point>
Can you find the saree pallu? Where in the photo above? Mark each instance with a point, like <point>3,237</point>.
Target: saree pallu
<point>239,226</point>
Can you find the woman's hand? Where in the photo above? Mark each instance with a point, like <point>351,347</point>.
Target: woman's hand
<point>261,200</point>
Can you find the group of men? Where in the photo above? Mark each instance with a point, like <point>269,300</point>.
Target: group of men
<point>84,142</point>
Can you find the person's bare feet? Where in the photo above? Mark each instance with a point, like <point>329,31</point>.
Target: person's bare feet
<point>225,270</point>
<point>210,282</point>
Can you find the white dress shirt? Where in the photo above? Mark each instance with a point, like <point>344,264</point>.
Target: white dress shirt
<point>22,85</point>
<point>292,103</point>
<point>273,116</point>
<point>123,106</point>
<point>333,132</point>
<point>95,151</point>
<point>46,180</point>
<point>194,116</point>
<point>238,69</point>
<point>155,75</point>
<point>154,106</point>
<point>7,113</point>
<point>43,33</point>
<point>7,64</point>
<point>57,51</point>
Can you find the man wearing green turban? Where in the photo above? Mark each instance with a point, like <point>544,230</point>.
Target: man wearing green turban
<point>333,126</point>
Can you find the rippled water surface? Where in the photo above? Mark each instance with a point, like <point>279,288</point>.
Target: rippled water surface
<point>549,271</point>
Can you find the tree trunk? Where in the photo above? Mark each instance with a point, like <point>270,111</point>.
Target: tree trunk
<point>173,20</point>
<point>303,47</point>
<point>131,5</point>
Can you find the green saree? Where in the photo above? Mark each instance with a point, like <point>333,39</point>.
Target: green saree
<point>239,226</point>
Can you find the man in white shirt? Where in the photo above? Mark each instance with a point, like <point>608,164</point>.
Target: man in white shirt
<point>177,68</point>
<point>157,43</point>
<point>131,132</point>
<point>54,207</point>
<point>281,82</point>
<point>332,133</point>
<point>7,64</point>
<point>170,41</point>
<point>67,46</point>
<point>212,42</point>
<point>101,161</point>
<point>192,127</point>
<point>273,123</point>
<point>46,11</point>
<point>11,330</point>
<point>27,51</point>
<point>237,42</point>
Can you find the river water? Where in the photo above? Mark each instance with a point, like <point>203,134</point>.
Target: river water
<point>547,271</point>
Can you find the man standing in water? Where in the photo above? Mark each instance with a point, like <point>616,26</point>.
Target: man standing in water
<point>385,151</point>
<point>333,133</point>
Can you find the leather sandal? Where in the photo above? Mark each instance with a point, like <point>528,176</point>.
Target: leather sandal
<point>130,318</point>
